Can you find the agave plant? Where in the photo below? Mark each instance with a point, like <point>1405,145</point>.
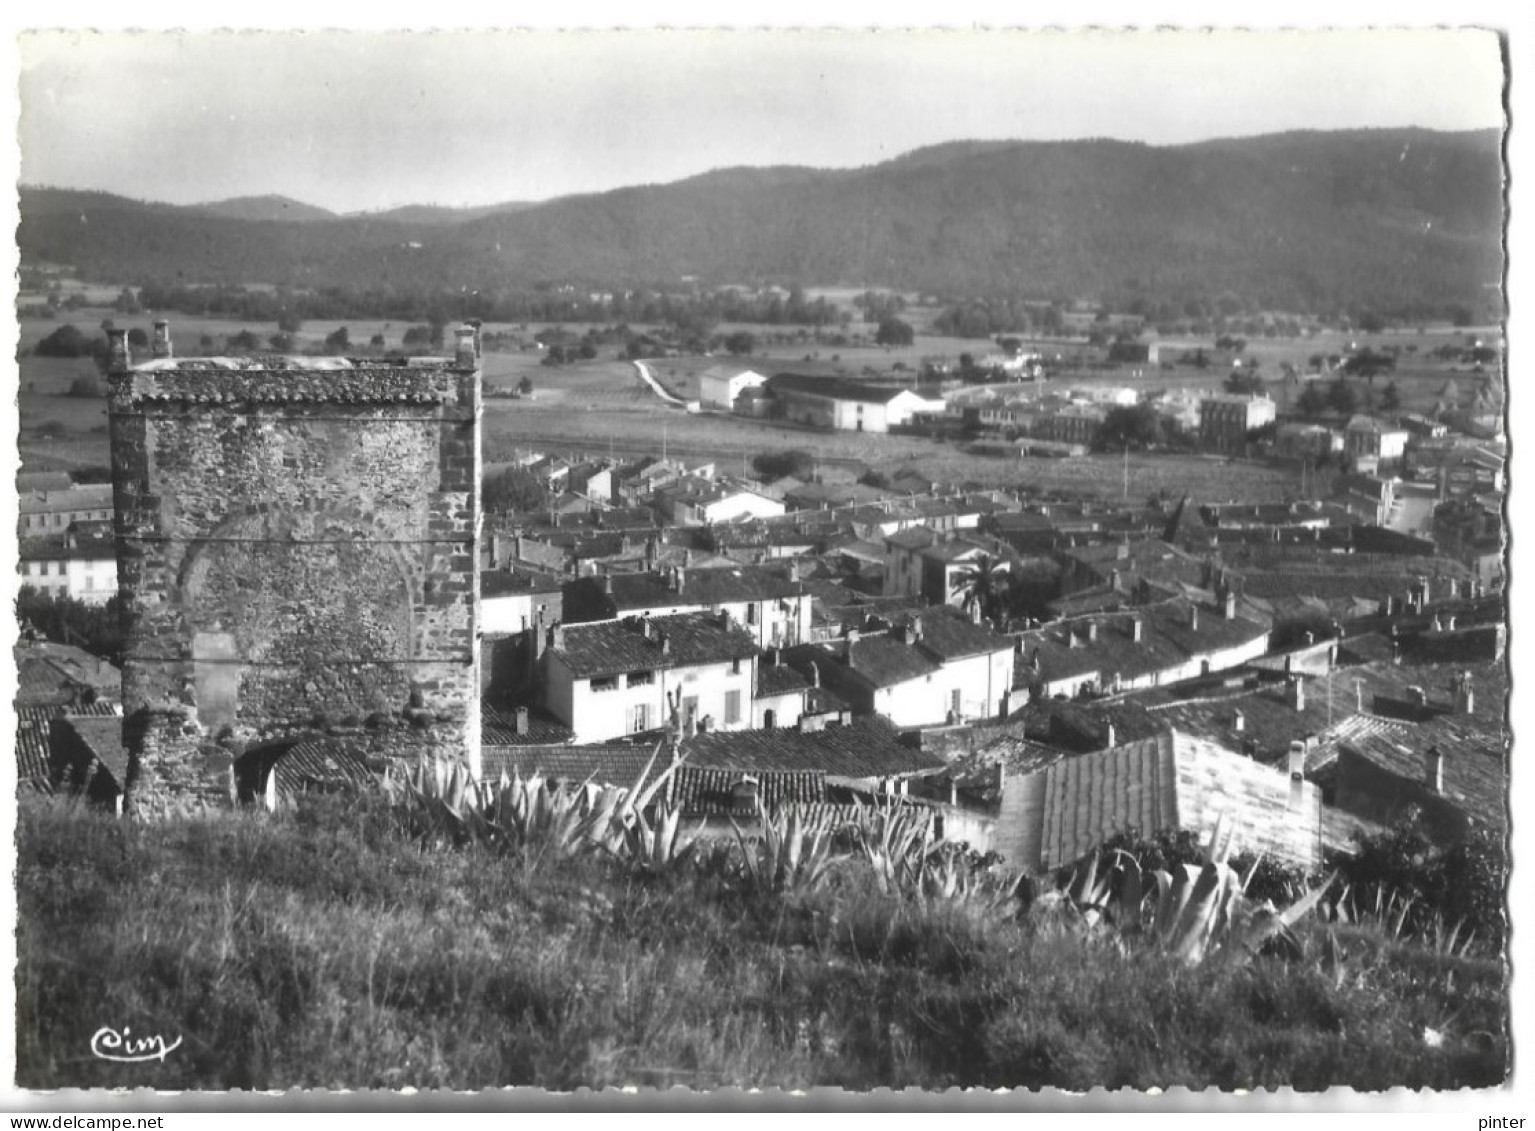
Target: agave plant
<point>1197,912</point>
<point>527,816</point>
<point>795,852</point>
<point>896,843</point>
<point>947,879</point>
<point>657,847</point>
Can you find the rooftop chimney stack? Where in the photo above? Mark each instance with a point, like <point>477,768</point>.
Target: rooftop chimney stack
<point>1297,767</point>
<point>1092,632</point>
<point>1229,605</point>
<point>162,342</point>
<point>1295,692</point>
<point>1194,618</point>
<point>1434,774</point>
<point>1462,695</point>
<point>1137,629</point>
<point>1109,737</point>
<point>522,720</point>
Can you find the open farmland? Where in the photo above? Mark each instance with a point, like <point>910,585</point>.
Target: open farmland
<point>598,429</point>
<point>601,405</point>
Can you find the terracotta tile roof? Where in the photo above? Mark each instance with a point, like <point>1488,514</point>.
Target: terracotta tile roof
<point>864,748</point>
<point>710,791</point>
<point>1270,724</point>
<point>688,639</point>
<point>32,762</point>
<point>1080,726</point>
<point>732,584</point>
<point>1166,781</point>
<point>779,679</point>
<point>834,388</point>
<point>498,727</point>
<point>949,635</point>
<point>323,765</point>
<point>102,736</point>
<point>1167,640</point>
<point>48,672</point>
<point>601,765</point>
<point>505,583</point>
<point>1475,765</point>
<point>913,538</point>
<point>877,660</point>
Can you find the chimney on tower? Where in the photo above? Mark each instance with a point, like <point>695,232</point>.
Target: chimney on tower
<point>119,357</point>
<point>465,353</point>
<point>162,342</point>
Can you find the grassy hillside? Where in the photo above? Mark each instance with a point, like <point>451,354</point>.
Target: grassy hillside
<point>325,949</point>
<point>1306,221</point>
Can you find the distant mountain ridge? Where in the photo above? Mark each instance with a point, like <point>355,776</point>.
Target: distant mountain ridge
<point>263,208</point>
<point>1304,220</point>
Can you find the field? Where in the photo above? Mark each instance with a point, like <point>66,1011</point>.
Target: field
<point>325,949</point>
<point>601,406</point>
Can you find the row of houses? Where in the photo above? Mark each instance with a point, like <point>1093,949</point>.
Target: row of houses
<point>1294,754</point>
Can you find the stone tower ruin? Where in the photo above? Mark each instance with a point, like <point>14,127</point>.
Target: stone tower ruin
<point>297,550</point>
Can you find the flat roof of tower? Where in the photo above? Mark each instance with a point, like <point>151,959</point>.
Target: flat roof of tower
<point>291,380</point>
<point>262,363</point>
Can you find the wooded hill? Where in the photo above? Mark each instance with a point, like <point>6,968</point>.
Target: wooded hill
<point>1311,221</point>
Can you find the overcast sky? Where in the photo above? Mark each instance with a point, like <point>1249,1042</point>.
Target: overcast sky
<point>366,120</point>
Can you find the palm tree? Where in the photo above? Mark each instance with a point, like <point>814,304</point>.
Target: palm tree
<point>983,582</point>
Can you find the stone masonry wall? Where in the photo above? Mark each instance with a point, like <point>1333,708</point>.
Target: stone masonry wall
<point>297,553</point>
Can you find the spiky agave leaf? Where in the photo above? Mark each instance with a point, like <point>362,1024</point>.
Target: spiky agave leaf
<point>1132,890</point>
<point>1266,926</point>
<point>1190,937</point>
